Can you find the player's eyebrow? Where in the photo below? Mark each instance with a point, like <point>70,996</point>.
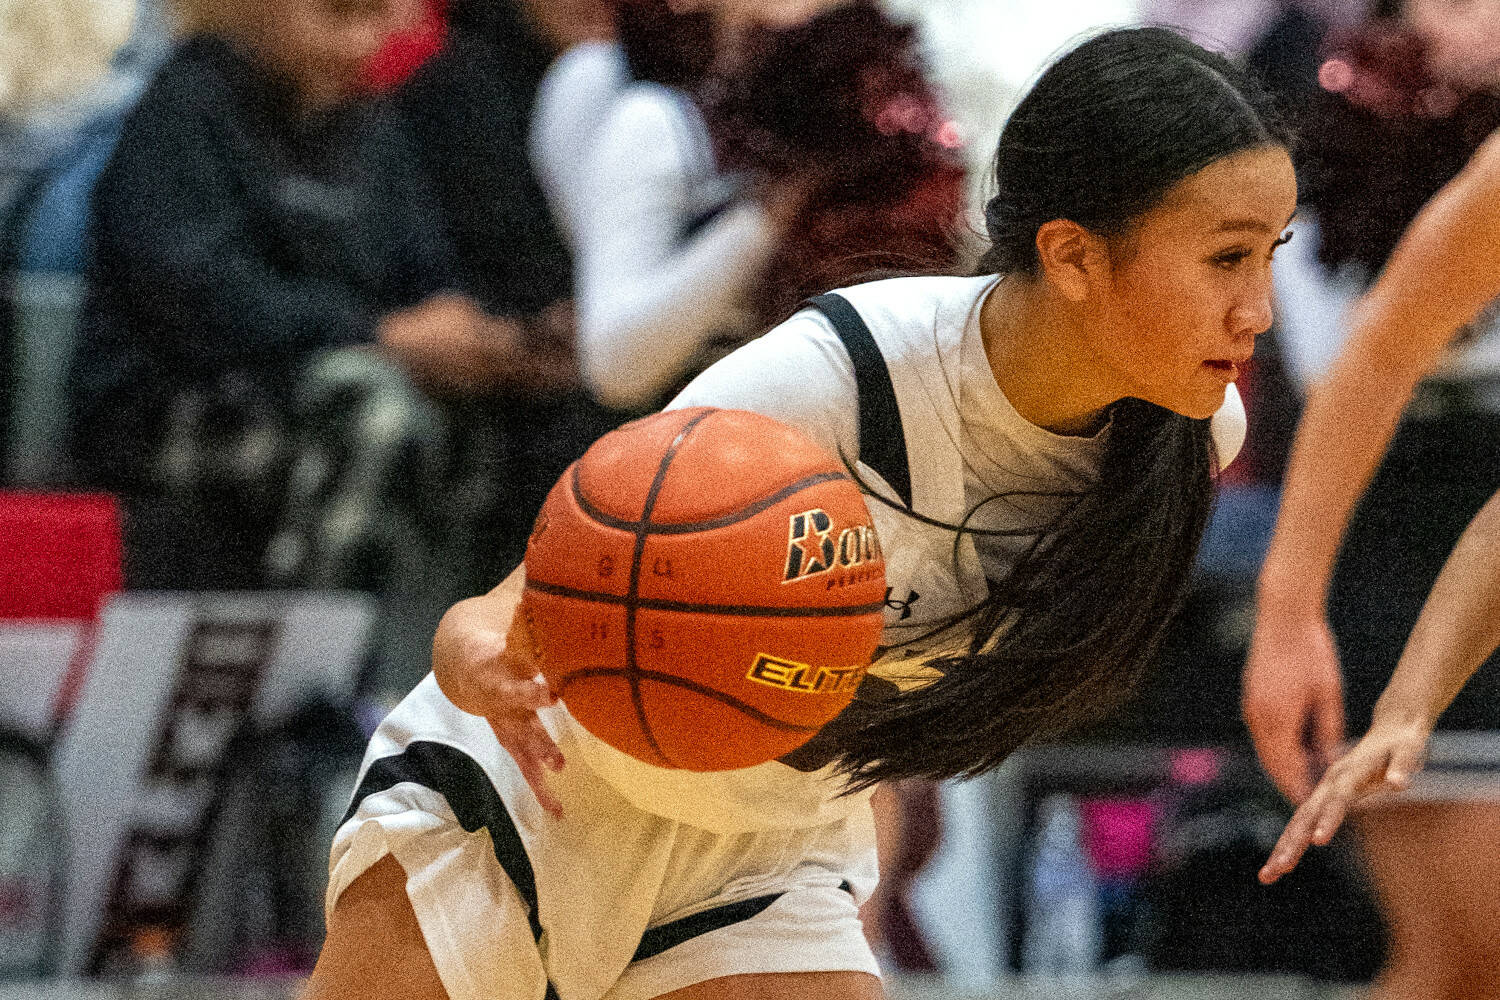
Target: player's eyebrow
<point>1250,225</point>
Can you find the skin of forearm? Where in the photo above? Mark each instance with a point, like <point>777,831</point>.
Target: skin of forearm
<point>1347,424</point>
<point>1446,268</point>
<point>483,618</point>
<point>1458,629</point>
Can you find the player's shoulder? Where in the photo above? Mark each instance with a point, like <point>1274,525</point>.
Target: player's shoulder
<point>914,317</point>
<point>917,289</point>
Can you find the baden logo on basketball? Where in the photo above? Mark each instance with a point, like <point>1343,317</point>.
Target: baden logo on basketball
<point>813,549</point>
<point>792,676</point>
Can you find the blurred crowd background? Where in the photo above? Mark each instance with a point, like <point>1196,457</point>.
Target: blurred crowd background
<point>303,298</point>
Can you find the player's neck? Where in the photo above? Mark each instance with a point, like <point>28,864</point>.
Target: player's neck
<point>1038,353</point>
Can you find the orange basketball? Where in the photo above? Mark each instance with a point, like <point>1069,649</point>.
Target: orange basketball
<point>704,589</point>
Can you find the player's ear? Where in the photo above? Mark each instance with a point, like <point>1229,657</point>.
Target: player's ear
<point>1071,257</point>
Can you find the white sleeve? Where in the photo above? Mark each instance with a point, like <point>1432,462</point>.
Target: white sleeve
<point>799,374</point>
<point>572,104</point>
<point>647,298</point>
<point>1229,427</point>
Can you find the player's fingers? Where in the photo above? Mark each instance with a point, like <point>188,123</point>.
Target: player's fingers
<point>541,746</point>
<point>536,779</point>
<point>1292,843</point>
<point>533,751</point>
<point>507,692</point>
<point>1331,815</point>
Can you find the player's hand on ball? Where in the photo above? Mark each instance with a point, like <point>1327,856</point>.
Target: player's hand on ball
<point>495,675</point>
<point>1384,761</point>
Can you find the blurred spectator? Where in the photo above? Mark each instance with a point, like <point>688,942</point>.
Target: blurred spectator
<point>763,152</point>
<point>470,107</point>
<point>51,51</point>
<point>63,85</point>
<point>256,213</point>
<point>406,51</point>
<point>1237,28</point>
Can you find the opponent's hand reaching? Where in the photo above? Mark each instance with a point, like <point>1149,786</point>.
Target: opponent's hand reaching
<point>1384,761</point>
<point>484,661</point>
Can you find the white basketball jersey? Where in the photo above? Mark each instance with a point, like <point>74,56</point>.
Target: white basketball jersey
<point>803,374</point>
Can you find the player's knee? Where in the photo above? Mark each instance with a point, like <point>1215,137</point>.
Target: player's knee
<point>374,948</point>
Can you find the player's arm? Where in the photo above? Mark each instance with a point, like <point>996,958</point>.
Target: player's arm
<point>482,659</point>
<point>1457,631</point>
<point>1444,270</point>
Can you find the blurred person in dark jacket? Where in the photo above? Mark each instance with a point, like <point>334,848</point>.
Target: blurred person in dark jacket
<point>260,210</point>
<point>470,108</point>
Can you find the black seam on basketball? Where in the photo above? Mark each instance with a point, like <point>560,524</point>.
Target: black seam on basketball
<point>688,528</point>
<point>694,686</point>
<point>633,593</point>
<point>741,610</point>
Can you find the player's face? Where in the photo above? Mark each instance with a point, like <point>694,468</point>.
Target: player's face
<point>324,46</point>
<point>1189,287</point>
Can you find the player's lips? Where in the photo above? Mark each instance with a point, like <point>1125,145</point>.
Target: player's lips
<point>1226,368</point>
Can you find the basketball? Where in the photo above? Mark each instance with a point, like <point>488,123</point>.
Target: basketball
<point>704,589</point>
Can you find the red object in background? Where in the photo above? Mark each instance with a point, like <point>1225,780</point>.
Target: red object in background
<point>60,555</point>
<point>405,52</point>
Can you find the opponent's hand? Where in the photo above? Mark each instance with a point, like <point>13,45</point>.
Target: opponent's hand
<point>1384,761</point>
<point>496,675</point>
<point>1293,700</point>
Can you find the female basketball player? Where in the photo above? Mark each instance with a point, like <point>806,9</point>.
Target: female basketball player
<point>1058,407</point>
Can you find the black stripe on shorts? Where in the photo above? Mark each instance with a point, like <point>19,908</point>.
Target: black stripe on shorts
<point>460,780</point>
<point>670,935</point>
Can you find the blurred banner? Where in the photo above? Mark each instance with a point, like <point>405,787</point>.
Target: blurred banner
<point>140,764</point>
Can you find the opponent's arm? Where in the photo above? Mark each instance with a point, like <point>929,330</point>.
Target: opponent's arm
<point>1458,629</point>
<point>1445,269</point>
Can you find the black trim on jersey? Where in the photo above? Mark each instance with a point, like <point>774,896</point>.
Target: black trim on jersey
<point>455,776</point>
<point>659,939</point>
<point>670,935</point>
<point>882,443</point>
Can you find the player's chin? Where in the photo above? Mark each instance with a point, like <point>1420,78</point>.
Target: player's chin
<point>1200,399</point>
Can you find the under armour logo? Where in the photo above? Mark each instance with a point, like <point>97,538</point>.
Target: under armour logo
<point>906,606</point>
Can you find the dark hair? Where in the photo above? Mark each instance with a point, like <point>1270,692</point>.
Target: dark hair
<point>845,97</point>
<point>1069,631</point>
<point>664,46</point>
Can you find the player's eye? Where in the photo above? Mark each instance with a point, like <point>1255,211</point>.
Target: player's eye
<point>1230,259</point>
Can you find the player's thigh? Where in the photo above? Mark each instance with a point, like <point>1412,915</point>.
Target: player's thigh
<point>1470,898</point>
<point>374,949</point>
<point>785,986</point>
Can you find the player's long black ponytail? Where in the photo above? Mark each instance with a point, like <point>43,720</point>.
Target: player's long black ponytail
<point>1069,632</point>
